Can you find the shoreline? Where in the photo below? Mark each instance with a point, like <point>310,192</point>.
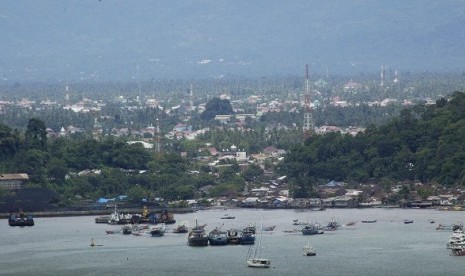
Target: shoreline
<point>97,212</point>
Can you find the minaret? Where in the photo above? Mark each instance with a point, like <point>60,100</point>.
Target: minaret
<point>308,125</point>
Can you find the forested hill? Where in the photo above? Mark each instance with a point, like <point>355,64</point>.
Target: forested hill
<point>424,143</point>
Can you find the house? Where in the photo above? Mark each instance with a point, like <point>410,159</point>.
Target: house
<point>13,181</point>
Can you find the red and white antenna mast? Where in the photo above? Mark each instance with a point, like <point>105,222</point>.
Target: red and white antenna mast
<point>308,125</point>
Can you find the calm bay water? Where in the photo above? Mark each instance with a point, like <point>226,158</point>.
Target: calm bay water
<point>61,246</point>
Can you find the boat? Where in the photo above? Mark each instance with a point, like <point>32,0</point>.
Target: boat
<point>247,235</point>
<point>408,221</point>
<point>269,228</point>
<point>197,236</point>
<point>456,239</point>
<point>333,225</point>
<point>127,230</point>
<point>181,228</point>
<point>369,221</point>
<point>226,216</point>
<point>351,223</point>
<point>309,250</point>
<point>253,256</point>
<point>20,220</point>
<point>312,229</point>
<point>297,222</point>
<point>234,236</point>
<point>157,231</point>
<point>218,237</point>
<point>102,219</point>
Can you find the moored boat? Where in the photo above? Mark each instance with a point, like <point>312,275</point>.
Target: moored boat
<point>408,221</point>
<point>181,228</point>
<point>197,236</point>
<point>254,259</point>
<point>247,235</point>
<point>312,229</point>
<point>157,231</point>
<point>234,236</point>
<point>218,237</point>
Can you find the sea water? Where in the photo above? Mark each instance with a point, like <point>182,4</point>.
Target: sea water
<point>61,245</point>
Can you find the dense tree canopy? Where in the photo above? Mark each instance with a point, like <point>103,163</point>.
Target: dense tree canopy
<point>424,143</point>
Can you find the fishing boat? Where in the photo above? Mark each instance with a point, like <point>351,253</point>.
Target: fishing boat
<point>369,221</point>
<point>408,221</point>
<point>226,216</point>
<point>218,237</point>
<point>254,259</point>
<point>234,236</point>
<point>197,236</point>
<point>312,229</point>
<point>248,235</point>
<point>20,220</point>
<point>309,250</point>
<point>181,228</point>
<point>157,231</point>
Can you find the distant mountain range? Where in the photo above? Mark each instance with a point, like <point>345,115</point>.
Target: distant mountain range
<point>149,39</point>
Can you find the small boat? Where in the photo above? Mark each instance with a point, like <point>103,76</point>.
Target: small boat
<point>269,228</point>
<point>127,230</point>
<point>308,250</point>
<point>182,228</point>
<point>312,230</point>
<point>20,220</point>
<point>226,216</point>
<point>351,223</point>
<point>369,221</point>
<point>157,231</point>
<point>431,221</point>
<point>408,221</point>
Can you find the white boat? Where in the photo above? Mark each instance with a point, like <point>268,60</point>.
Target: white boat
<point>253,257</point>
<point>308,250</point>
<point>457,239</point>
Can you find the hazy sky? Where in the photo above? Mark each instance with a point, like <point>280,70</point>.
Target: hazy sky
<point>122,40</point>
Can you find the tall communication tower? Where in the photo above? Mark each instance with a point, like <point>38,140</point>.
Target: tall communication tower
<point>157,139</point>
<point>191,98</point>
<point>382,75</point>
<point>308,125</point>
